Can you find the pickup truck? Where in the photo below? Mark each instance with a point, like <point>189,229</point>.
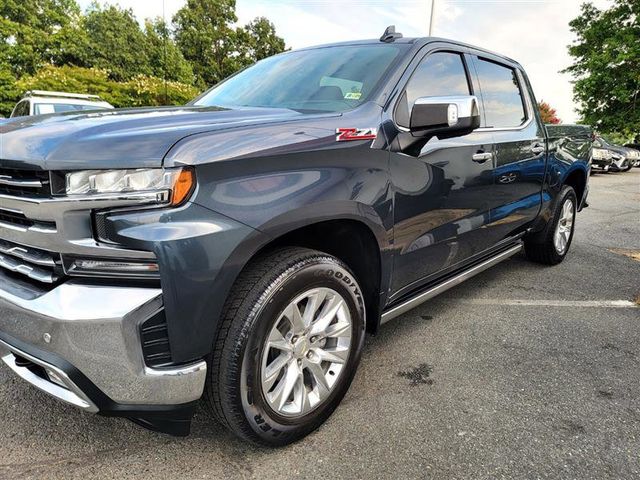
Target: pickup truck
<point>241,247</point>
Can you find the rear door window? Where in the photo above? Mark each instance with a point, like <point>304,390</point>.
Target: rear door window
<point>502,96</point>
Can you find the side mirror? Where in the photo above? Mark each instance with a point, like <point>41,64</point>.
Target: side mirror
<point>448,116</point>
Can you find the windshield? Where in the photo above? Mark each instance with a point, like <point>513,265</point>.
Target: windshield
<point>331,79</point>
<point>44,108</point>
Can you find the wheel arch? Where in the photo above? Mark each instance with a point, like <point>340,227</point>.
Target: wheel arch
<point>356,240</point>
<point>577,179</point>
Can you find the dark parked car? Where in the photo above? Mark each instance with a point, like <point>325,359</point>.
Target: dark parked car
<point>241,247</point>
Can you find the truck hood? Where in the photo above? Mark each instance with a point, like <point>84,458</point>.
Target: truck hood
<point>127,138</point>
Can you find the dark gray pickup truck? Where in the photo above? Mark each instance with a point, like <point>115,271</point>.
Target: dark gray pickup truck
<point>240,248</point>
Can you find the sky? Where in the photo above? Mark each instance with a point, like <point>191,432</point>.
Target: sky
<point>533,32</point>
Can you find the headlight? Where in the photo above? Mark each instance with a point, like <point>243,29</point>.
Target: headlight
<point>177,182</point>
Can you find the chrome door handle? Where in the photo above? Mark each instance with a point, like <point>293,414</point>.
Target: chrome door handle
<point>482,157</point>
<point>537,148</point>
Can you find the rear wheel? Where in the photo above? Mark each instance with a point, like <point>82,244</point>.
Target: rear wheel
<point>288,347</point>
<point>551,245</point>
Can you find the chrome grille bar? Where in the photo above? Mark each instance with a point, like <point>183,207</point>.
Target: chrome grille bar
<point>33,272</point>
<point>20,182</point>
<point>28,255</point>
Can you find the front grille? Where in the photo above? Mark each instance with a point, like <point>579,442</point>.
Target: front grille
<point>19,219</point>
<point>24,183</point>
<point>33,263</point>
<point>154,335</point>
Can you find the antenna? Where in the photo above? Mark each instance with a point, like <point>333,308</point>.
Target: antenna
<point>433,7</point>
<point>390,34</point>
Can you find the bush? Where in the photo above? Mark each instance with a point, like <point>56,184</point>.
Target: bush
<point>142,90</point>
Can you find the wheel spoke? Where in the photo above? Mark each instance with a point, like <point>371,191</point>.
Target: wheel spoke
<point>339,355</point>
<point>283,391</point>
<point>314,303</point>
<point>339,329</point>
<point>277,340</point>
<point>301,398</point>
<point>295,318</point>
<point>320,379</point>
<point>272,372</point>
<point>327,315</point>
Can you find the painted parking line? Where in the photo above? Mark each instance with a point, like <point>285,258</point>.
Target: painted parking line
<point>555,303</point>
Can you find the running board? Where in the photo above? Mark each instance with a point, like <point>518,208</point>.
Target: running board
<point>447,284</point>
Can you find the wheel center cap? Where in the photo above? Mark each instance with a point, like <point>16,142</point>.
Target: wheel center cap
<point>301,347</point>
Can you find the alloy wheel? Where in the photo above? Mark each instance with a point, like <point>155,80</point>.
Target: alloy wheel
<point>564,227</point>
<point>306,351</point>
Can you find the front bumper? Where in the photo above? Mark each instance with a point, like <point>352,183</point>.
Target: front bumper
<point>619,164</point>
<point>601,165</point>
<point>81,344</point>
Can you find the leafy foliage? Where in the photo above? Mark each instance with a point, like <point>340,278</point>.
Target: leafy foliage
<point>52,45</point>
<point>36,32</point>
<point>205,34</point>
<point>165,58</point>
<point>139,91</point>
<point>547,113</point>
<point>262,40</point>
<point>115,42</point>
<point>9,91</point>
<point>606,66</point>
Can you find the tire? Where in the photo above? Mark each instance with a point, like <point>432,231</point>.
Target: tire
<point>542,247</point>
<point>258,309</point>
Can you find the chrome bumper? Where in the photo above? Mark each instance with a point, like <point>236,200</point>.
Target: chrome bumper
<point>95,329</point>
<point>51,379</point>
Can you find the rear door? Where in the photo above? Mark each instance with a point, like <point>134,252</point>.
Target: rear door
<point>442,187</point>
<point>520,146</point>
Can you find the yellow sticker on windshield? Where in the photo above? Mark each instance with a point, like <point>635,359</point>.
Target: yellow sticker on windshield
<point>352,95</point>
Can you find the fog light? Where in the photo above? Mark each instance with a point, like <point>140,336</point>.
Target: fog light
<point>111,268</point>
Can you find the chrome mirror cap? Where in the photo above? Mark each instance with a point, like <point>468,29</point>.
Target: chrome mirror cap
<point>447,115</point>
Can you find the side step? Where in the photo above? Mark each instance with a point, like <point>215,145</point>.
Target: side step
<point>447,284</point>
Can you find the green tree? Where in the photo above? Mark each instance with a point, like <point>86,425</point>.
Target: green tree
<point>34,33</point>
<point>9,92</point>
<point>606,66</point>
<point>205,34</point>
<point>116,42</point>
<point>165,58</point>
<point>263,41</point>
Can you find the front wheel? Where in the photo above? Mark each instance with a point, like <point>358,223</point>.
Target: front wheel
<point>551,245</point>
<point>290,341</point>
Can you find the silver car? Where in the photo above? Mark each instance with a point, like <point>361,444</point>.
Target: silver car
<point>39,102</point>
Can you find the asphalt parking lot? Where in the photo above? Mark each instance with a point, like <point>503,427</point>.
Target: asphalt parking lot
<point>522,372</point>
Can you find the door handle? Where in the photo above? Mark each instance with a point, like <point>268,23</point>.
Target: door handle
<point>482,157</point>
<point>537,148</point>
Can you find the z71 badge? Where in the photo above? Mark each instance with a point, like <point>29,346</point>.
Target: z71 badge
<point>348,134</point>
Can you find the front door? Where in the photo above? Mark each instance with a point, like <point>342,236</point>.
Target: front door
<point>442,187</point>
